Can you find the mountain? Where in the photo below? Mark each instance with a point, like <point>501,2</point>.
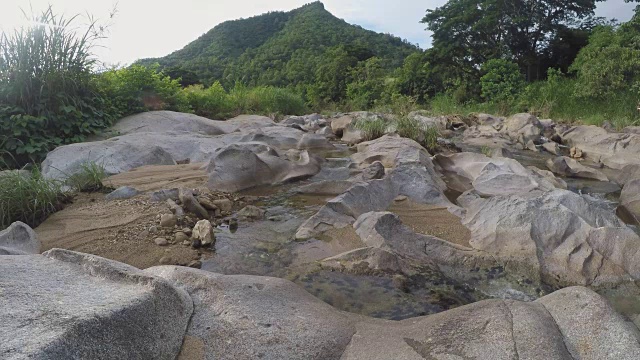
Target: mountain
<point>280,48</point>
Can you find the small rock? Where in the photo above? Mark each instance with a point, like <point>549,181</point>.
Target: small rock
<point>207,204</point>
<point>153,230</point>
<point>176,209</point>
<point>532,146</point>
<point>181,237</point>
<point>166,260</point>
<point>143,234</point>
<point>161,242</point>
<point>187,231</point>
<point>400,198</point>
<point>251,212</point>
<point>576,153</point>
<point>196,264</point>
<point>203,231</point>
<point>552,147</point>
<point>168,221</point>
<point>192,205</point>
<point>223,204</point>
<point>374,171</point>
<point>165,194</point>
<point>122,193</point>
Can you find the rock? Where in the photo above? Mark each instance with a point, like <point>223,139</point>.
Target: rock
<point>353,136</point>
<point>542,176</point>
<point>203,231</point>
<point>325,187</point>
<point>339,125</point>
<point>19,239</point>
<point>604,335</point>
<point>400,198</point>
<point>614,150</point>
<point>568,167</point>
<point>250,317</point>
<point>161,241</point>
<point>523,128</point>
<point>488,120</point>
<point>576,153</point>
<point>628,173</point>
<point>166,260</point>
<point>326,132</point>
<point>122,193</point>
<point>168,121</point>
<point>164,195</point>
<point>223,204</point>
<point>243,166</point>
<point>630,200</point>
<point>192,205</point>
<point>168,221</point>
<point>501,153</point>
<point>196,243</point>
<point>486,135</point>
<point>195,264</point>
<point>181,237</point>
<point>86,307</point>
<point>439,122</point>
<point>632,130</point>
<point>207,203</point>
<point>373,172</point>
<point>176,209</point>
<point>557,237</point>
<point>251,212</point>
<point>552,147</point>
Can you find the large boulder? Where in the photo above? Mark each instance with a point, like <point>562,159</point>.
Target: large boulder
<point>614,150</point>
<point>246,165</point>
<point>630,201</point>
<point>67,305</point>
<point>439,122</point>
<point>571,168</point>
<point>523,128</point>
<point>489,176</point>
<point>167,121</point>
<point>556,237</point>
<point>19,239</point>
<point>250,317</point>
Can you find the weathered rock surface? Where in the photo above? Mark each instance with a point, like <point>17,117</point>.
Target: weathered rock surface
<point>489,176</point>
<point>556,237</point>
<point>630,201</point>
<point>614,150</point>
<point>245,317</point>
<point>568,167</point>
<point>19,239</point>
<point>168,121</point>
<point>243,166</point>
<point>67,305</point>
<point>486,135</point>
<point>523,128</point>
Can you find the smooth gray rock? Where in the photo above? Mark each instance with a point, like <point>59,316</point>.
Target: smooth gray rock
<point>164,195</point>
<point>615,150</point>
<point>568,167</point>
<point>122,193</point>
<point>250,317</point>
<point>168,121</point>
<point>325,187</point>
<point>373,172</point>
<point>67,305</point>
<point>19,239</point>
<point>523,128</point>
<point>552,147</point>
<point>630,201</point>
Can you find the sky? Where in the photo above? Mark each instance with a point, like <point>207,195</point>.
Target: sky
<point>154,28</point>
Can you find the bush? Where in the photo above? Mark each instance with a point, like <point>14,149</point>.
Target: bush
<point>213,102</point>
<point>47,96</point>
<point>88,179</point>
<point>29,198</point>
<point>138,88</point>
<point>502,80</point>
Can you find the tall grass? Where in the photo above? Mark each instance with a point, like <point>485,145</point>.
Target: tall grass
<point>424,135</point>
<point>89,178</point>
<point>28,197</point>
<point>372,129</point>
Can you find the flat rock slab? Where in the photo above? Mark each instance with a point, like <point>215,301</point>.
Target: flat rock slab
<point>67,305</point>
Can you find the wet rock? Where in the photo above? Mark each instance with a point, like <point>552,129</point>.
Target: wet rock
<point>203,231</point>
<point>164,195</point>
<point>168,221</point>
<point>19,239</point>
<point>86,307</point>
<point>630,200</point>
<point>161,241</point>
<point>251,213</point>
<point>122,193</point>
<point>552,147</point>
<point>192,205</point>
<point>614,150</point>
<point>568,167</point>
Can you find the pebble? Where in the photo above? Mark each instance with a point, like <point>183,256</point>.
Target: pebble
<point>166,260</point>
<point>401,198</point>
<point>161,242</point>
<point>153,230</point>
<point>181,237</point>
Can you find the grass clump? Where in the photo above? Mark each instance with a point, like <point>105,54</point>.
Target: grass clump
<point>424,135</point>
<point>28,197</point>
<point>88,179</point>
<point>372,129</point>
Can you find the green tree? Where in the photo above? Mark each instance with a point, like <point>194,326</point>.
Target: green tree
<point>368,83</point>
<point>502,80</point>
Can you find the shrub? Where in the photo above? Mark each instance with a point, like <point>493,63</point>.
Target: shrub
<point>47,96</point>
<point>212,102</point>
<point>29,198</point>
<point>266,100</point>
<point>502,80</point>
<point>88,179</point>
<point>372,129</point>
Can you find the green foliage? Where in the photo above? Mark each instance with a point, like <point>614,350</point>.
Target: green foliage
<point>372,129</point>
<point>501,81</point>
<point>89,178</point>
<point>29,198</point>
<point>411,128</point>
<point>47,96</point>
<point>138,88</point>
<point>212,102</point>
<point>367,85</point>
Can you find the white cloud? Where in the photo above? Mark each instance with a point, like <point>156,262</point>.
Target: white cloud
<point>152,28</point>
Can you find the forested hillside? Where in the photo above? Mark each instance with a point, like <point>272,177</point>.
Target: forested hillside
<point>280,48</point>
